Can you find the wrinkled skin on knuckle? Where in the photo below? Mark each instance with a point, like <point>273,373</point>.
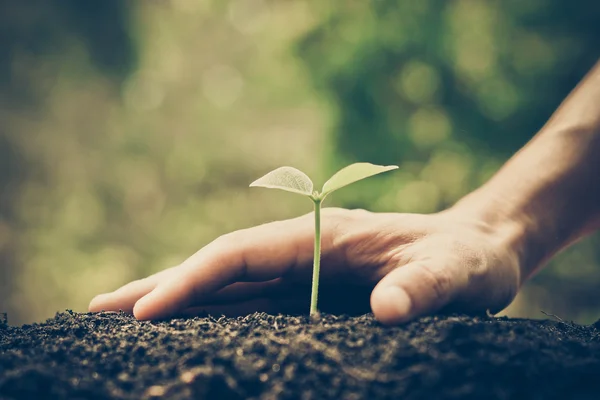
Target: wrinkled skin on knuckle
<point>373,244</point>
<point>368,245</point>
<point>339,222</point>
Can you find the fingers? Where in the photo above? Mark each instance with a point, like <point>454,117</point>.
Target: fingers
<point>257,254</point>
<point>126,296</point>
<point>416,289</point>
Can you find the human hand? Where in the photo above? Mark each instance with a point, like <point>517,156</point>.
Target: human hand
<point>413,264</point>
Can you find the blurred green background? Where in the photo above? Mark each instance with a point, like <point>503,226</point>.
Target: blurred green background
<point>129,131</point>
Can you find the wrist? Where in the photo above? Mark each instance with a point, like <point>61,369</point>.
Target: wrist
<point>539,203</point>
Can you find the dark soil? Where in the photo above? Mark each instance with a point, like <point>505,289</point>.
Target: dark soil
<point>97,356</point>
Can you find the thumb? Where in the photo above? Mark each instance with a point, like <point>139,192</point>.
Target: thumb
<point>416,289</point>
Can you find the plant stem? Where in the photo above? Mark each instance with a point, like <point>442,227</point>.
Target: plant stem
<point>316,259</point>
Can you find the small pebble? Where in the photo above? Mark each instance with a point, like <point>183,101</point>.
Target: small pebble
<point>156,391</point>
<point>187,377</point>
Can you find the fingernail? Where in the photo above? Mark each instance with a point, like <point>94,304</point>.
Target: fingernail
<point>399,302</point>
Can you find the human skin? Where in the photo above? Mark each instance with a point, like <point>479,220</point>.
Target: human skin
<point>472,257</point>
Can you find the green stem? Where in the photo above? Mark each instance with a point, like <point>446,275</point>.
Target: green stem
<point>316,259</point>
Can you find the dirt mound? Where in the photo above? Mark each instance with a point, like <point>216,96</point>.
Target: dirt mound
<point>112,355</point>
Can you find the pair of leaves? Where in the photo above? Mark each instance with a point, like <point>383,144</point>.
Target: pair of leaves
<point>296,181</point>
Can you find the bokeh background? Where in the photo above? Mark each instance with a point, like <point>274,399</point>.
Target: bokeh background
<point>130,130</point>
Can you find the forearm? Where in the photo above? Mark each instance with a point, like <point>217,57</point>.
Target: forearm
<point>548,194</point>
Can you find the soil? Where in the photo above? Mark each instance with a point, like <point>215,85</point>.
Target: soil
<point>261,356</point>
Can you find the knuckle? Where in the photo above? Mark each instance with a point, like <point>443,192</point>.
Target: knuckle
<point>344,213</point>
<point>360,212</point>
<point>337,219</point>
<point>227,237</point>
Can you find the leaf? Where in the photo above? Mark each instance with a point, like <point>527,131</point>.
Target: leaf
<point>352,173</point>
<point>286,178</point>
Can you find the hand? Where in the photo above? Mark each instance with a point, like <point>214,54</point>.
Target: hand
<point>413,264</point>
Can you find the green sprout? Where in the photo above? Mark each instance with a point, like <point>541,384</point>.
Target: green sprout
<point>295,181</point>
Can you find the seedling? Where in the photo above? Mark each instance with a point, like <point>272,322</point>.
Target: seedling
<point>295,181</point>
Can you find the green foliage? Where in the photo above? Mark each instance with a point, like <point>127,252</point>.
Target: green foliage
<point>129,130</point>
<point>39,41</point>
<point>292,180</point>
<point>353,173</point>
<point>286,178</point>
<point>448,90</point>
<point>444,87</point>
<point>489,73</point>
<point>109,182</point>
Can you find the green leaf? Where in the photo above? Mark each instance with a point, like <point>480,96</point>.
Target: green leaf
<point>286,178</point>
<point>353,173</point>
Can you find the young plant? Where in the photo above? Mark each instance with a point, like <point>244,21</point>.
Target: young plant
<point>296,181</point>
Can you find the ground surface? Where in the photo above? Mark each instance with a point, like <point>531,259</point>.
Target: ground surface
<point>97,356</point>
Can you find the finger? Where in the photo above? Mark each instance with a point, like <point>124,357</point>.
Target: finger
<point>261,253</point>
<point>416,289</point>
<point>126,296</point>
